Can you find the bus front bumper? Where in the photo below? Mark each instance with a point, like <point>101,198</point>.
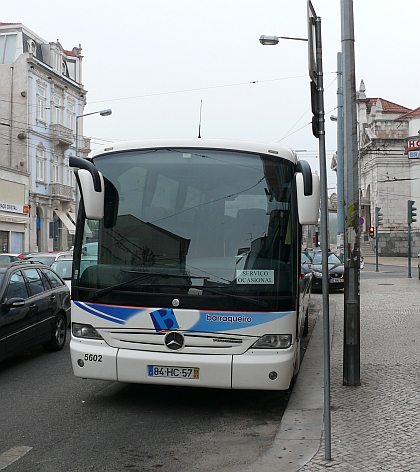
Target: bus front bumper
<point>259,369</point>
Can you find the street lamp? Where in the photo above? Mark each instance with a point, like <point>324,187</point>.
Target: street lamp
<point>273,40</point>
<point>106,112</point>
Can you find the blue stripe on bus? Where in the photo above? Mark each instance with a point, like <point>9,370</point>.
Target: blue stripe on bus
<point>225,321</point>
<point>112,313</point>
<point>208,321</point>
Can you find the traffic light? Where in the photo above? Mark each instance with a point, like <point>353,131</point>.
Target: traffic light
<point>371,231</point>
<point>314,106</point>
<point>411,212</point>
<point>379,216</point>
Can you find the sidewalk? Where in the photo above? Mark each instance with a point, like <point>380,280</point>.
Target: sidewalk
<point>376,426</point>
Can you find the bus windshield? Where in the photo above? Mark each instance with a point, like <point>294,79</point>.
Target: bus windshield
<point>205,229</point>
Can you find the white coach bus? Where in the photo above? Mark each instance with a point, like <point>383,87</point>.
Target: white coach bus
<point>194,274</point>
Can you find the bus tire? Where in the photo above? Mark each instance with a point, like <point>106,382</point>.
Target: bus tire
<point>58,334</point>
<point>306,325</point>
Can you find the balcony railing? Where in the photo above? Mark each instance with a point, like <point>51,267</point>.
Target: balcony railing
<point>84,146</point>
<point>61,191</point>
<point>63,135</point>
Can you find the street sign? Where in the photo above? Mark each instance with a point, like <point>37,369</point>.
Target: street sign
<point>311,42</point>
<point>361,221</point>
<point>414,154</point>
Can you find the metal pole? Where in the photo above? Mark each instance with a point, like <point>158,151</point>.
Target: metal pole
<point>340,160</point>
<point>324,237</point>
<point>351,351</point>
<point>409,250</point>
<point>76,203</point>
<point>376,248</point>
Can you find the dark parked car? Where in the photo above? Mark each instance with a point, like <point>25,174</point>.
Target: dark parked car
<point>34,308</point>
<point>312,261</point>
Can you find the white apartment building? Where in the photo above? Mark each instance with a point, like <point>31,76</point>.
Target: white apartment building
<point>40,97</point>
<point>389,171</point>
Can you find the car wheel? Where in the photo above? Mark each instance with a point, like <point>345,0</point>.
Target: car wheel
<point>58,334</point>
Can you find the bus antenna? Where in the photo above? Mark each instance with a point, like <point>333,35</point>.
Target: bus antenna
<point>199,123</point>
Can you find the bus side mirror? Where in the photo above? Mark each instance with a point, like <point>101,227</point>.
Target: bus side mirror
<point>91,185</point>
<point>93,200</point>
<point>308,205</point>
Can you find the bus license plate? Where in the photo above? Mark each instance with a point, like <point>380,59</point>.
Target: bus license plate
<point>174,372</point>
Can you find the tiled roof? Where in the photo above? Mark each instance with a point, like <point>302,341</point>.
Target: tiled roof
<point>387,106</point>
<point>69,53</point>
<point>411,114</point>
<point>9,24</point>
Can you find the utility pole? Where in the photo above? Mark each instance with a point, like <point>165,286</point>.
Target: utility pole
<point>351,351</point>
<point>340,161</point>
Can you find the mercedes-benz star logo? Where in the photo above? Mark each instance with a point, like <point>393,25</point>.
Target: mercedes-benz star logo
<point>174,340</point>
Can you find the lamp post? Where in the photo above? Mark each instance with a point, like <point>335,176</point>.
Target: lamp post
<point>340,159</point>
<point>106,112</point>
<point>318,128</point>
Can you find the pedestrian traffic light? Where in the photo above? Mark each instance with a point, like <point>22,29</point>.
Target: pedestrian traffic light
<point>371,231</point>
<point>379,216</point>
<point>411,212</point>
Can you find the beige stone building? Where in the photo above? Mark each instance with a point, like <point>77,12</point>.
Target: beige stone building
<point>389,171</point>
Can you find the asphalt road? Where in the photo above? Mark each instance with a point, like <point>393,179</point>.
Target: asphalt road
<point>72,424</point>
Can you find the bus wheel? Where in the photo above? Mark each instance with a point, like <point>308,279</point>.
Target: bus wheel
<point>58,334</point>
<point>297,360</point>
<point>297,364</point>
<point>306,325</point>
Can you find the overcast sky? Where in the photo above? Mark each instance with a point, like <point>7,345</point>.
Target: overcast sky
<point>153,61</point>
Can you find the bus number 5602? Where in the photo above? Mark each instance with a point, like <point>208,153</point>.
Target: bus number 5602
<point>93,357</point>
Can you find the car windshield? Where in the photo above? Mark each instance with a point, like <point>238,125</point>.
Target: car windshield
<point>306,258</point>
<point>63,268</point>
<point>332,258</point>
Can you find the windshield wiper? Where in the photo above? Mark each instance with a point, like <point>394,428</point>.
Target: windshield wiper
<point>253,301</point>
<point>143,275</point>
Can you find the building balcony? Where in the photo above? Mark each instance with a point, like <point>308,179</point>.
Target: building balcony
<point>84,146</point>
<point>62,136</point>
<point>62,192</point>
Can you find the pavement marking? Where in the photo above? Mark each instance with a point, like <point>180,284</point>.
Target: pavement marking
<point>13,455</point>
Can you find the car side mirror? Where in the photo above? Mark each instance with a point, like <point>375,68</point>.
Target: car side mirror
<point>15,302</point>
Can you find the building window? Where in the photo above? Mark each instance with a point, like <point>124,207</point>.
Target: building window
<point>40,164</point>
<point>70,177</point>
<point>55,170</point>
<point>7,48</point>
<point>57,61</point>
<point>41,102</point>
<point>57,113</point>
<point>71,115</point>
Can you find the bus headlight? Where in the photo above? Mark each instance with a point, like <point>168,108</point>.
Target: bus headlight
<point>85,331</point>
<point>274,341</point>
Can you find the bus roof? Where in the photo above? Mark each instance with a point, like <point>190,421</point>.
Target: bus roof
<point>199,143</point>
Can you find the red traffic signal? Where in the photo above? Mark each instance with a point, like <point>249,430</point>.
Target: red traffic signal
<point>371,231</point>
